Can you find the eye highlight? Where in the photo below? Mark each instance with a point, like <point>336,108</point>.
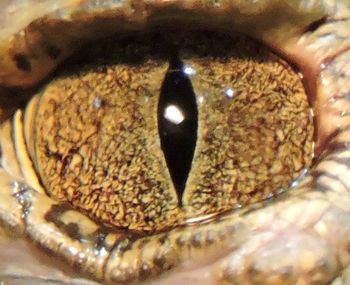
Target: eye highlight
<point>96,138</point>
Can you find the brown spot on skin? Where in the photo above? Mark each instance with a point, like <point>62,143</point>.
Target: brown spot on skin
<point>53,52</point>
<point>321,273</point>
<point>162,239</point>
<point>121,277</point>
<point>162,263</point>
<point>316,24</point>
<point>209,238</point>
<point>180,242</point>
<point>124,245</point>
<point>22,62</point>
<point>141,244</point>
<point>54,215</point>
<point>196,241</point>
<point>145,272</point>
<point>165,258</point>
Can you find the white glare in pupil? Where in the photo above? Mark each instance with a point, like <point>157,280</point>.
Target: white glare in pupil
<point>188,70</point>
<point>174,115</point>
<point>229,92</point>
<point>97,102</point>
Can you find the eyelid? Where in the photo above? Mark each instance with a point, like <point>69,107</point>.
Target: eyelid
<point>34,43</point>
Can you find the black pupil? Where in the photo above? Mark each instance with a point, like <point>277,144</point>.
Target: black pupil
<point>178,122</point>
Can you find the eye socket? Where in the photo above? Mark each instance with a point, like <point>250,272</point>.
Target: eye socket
<point>96,137</point>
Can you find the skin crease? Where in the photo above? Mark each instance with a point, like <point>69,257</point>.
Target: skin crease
<point>323,62</point>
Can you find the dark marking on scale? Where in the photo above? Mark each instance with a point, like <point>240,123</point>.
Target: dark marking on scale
<point>22,62</point>
<point>341,160</point>
<point>331,145</point>
<point>315,25</point>
<point>145,272</point>
<point>54,215</point>
<point>323,187</point>
<point>53,52</point>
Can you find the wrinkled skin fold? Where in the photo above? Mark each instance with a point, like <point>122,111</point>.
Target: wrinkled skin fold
<point>302,237</point>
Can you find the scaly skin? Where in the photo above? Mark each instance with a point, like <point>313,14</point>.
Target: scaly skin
<point>300,238</point>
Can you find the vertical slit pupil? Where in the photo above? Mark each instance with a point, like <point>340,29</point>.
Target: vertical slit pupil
<point>178,123</point>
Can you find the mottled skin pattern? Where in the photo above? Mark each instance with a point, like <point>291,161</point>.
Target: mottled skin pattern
<point>300,238</point>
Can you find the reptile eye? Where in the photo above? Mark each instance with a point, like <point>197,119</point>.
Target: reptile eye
<point>252,139</point>
<point>150,135</point>
<point>149,132</point>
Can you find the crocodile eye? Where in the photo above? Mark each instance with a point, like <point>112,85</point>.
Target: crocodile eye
<point>150,132</point>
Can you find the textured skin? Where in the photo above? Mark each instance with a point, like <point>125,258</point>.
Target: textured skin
<point>300,238</point>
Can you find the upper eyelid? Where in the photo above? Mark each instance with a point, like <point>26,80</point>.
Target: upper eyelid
<point>45,40</point>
